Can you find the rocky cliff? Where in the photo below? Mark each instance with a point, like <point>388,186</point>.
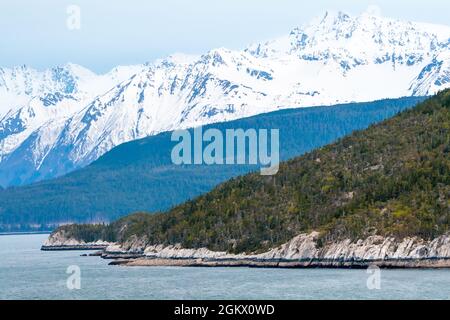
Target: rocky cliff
<point>61,241</point>
<point>302,251</point>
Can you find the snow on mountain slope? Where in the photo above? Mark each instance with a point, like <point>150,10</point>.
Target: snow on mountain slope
<point>29,98</point>
<point>67,117</point>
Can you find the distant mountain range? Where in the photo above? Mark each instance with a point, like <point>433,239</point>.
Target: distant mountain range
<point>56,121</point>
<point>139,175</point>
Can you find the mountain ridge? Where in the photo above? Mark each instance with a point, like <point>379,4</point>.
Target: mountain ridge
<point>385,186</point>
<point>132,176</point>
<point>56,129</point>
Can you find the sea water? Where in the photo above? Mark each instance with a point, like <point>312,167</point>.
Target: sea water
<point>28,273</point>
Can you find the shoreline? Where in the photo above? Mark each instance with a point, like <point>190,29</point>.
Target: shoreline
<point>302,251</point>
<point>25,233</point>
<point>141,260</point>
<point>430,263</point>
<point>80,247</point>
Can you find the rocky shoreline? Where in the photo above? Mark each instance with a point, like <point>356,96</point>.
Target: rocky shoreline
<point>74,247</point>
<point>319,263</point>
<point>301,252</point>
<point>59,241</point>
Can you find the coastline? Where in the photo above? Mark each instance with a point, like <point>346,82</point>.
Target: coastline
<point>80,247</point>
<point>302,251</point>
<point>431,263</point>
<point>24,233</point>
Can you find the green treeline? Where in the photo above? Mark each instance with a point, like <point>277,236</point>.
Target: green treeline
<point>390,179</point>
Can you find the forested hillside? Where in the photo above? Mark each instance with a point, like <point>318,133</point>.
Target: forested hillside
<point>390,179</point>
<point>139,176</point>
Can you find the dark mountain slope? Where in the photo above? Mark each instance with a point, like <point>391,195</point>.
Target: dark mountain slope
<point>139,176</point>
<point>391,179</point>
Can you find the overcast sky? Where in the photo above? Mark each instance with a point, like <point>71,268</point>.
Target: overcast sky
<point>35,33</point>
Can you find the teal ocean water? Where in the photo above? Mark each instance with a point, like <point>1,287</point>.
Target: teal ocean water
<point>28,273</point>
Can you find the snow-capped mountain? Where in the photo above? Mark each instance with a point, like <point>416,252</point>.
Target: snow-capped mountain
<point>29,99</point>
<point>55,121</point>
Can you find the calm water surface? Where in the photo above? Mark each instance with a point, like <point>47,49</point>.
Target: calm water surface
<point>28,273</point>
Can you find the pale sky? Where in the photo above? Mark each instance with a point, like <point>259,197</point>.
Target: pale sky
<point>115,32</point>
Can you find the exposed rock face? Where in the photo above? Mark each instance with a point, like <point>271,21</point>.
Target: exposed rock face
<point>379,248</point>
<point>61,241</point>
<point>301,251</point>
<point>301,247</point>
<point>372,248</point>
<point>304,247</point>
